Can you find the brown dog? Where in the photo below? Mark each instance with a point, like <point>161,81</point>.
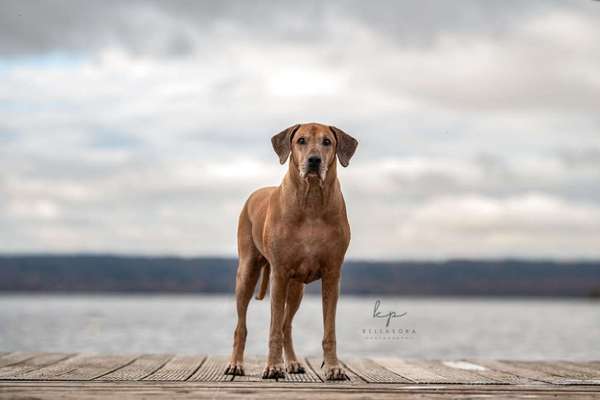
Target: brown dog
<point>297,232</point>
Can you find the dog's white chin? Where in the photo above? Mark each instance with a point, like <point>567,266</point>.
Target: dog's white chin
<point>305,174</point>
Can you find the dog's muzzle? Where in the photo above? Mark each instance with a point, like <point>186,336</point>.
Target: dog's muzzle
<point>313,166</point>
<point>314,163</point>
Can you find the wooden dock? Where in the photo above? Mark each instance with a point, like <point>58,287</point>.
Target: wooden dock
<point>162,376</point>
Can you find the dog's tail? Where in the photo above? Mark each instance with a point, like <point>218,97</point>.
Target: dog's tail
<point>264,281</point>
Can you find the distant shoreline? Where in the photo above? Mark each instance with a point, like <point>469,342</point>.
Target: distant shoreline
<point>104,274</point>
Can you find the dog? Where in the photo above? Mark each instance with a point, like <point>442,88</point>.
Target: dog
<point>291,235</point>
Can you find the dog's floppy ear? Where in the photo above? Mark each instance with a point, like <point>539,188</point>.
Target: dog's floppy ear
<point>346,145</point>
<point>282,142</point>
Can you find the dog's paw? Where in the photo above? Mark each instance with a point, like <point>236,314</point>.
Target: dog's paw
<point>335,373</point>
<point>273,372</point>
<point>294,367</point>
<point>234,368</point>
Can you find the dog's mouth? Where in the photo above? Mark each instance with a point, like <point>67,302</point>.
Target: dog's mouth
<point>313,171</point>
<point>315,174</point>
<point>310,173</point>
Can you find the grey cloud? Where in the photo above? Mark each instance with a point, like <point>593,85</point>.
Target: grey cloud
<point>581,157</point>
<point>33,27</point>
<point>180,27</point>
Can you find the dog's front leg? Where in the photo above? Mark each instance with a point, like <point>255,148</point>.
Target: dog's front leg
<point>274,368</point>
<point>330,287</point>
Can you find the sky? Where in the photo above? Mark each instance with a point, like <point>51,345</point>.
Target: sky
<point>141,127</point>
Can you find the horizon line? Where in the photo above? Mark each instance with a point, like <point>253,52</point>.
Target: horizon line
<point>557,260</point>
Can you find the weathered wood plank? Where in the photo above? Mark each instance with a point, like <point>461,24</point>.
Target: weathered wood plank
<point>589,367</point>
<point>410,371</point>
<point>80,367</point>
<point>15,358</point>
<point>315,364</point>
<point>452,373</point>
<point>212,370</point>
<point>254,367</point>
<point>500,376</point>
<point>179,368</point>
<point>138,369</point>
<point>40,361</point>
<point>575,371</point>
<point>536,375</point>
<point>231,390</point>
<point>96,366</point>
<point>372,372</point>
<point>269,384</point>
<point>567,375</point>
<point>366,373</point>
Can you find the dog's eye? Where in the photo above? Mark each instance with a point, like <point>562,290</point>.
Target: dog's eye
<point>326,142</point>
<point>301,141</point>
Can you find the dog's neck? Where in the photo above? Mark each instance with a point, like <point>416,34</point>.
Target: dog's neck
<point>310,196</point>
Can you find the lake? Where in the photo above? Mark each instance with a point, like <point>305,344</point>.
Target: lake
<point>201,324</point>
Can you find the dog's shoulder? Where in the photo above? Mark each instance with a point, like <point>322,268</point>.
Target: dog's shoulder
<point>261,194</point>
<point>259,199</point>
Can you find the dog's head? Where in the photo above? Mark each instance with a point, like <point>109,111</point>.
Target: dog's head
<point>313,148</point>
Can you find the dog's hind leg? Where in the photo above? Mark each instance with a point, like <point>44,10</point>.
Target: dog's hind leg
<point>250,262</point>
<point>294,297</point>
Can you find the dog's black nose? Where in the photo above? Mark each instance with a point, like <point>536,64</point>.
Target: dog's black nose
<point>314,161</point>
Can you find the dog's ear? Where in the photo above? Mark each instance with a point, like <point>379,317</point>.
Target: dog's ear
<point>282,142</point>
<point>346,145</point>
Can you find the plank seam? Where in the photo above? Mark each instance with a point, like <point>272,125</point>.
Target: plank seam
<point>511,374</point>
<point>582,368</point>
<point>62,373</point>
<point>494,380</point>
<point>60,360</point>
<point>52,363</point>
<point>563,378</point>
<point>115,369</point>
<point>196,369</point>
<point>393,372</point>
<point>353,371</point>
<point>18,362</point>
<point>156,369</point>
<point>36,367</point>
<point>530,369</point>
<point>516,371</point>
<point>313,369</point>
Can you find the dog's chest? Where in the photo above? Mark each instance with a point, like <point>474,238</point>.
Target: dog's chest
<point>308,247</point>
<point>311,240</point>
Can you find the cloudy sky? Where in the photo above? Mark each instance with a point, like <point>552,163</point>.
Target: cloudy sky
<point>142,126</point>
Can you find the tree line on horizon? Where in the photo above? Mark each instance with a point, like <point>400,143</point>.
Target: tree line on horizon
<point>134,274</point>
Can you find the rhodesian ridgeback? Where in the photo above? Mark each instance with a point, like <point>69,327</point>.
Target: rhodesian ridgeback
<point>295,233</point>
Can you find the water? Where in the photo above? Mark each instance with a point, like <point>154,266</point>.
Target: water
<point>432,327</point>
